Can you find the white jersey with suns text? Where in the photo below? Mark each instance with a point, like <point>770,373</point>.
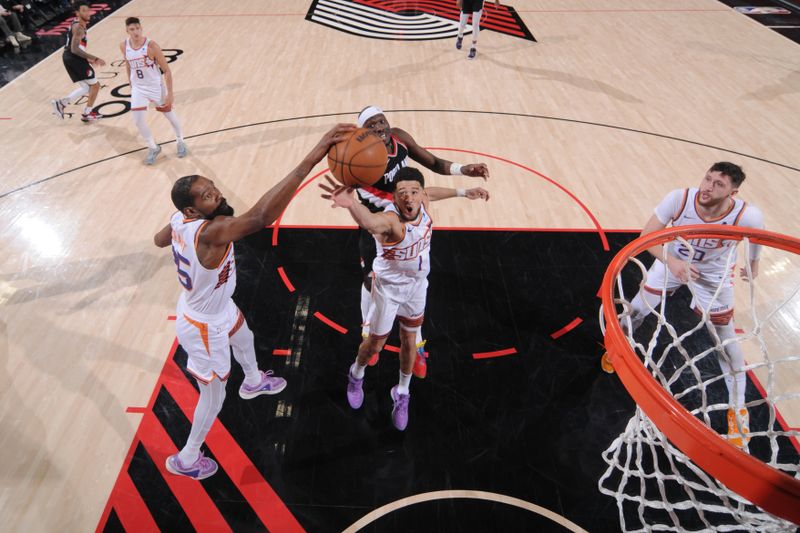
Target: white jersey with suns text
<point>145,73</point>
<point>710,255</point>
<point>206,291</point>
<point>410,256</point>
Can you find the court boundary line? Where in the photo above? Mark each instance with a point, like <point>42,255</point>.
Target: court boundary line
<point>353,114</point>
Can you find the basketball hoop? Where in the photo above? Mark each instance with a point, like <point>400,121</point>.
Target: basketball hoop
<point>669,461</point>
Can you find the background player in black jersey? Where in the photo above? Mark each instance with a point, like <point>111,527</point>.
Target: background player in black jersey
<point>401,146</point>
<point>78,63</point>
<point>476,8</point>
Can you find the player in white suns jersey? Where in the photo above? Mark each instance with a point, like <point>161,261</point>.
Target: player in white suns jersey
<point>713,202</point>
<point>208,323</point>
<point>402,235</point>
<point>146,63</point>
<point>402,150</point>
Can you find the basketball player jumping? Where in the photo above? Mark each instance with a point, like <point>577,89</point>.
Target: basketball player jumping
<point>712,203</point>
<point>208,322</point>
<point>78,63</point>
<point>401,146</point>
<point>402,235</point>
<point>467,7</point>
<point>146,63</point>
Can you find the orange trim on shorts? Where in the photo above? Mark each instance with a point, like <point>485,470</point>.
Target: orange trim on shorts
<point>239,322</point>
<point>203,327</point>
<point>411,322</point>
<point>213,375</point>
<point>718,319</point>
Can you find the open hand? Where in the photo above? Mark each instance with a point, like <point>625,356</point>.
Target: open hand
<point>340,195</point>
<point>477,193</point>
<point>334,135</point>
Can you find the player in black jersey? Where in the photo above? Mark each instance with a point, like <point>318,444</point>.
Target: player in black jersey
<point>78,63</point>
<point>467,7</point>
<point>401,146</point>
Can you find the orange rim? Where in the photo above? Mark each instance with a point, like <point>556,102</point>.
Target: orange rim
<point>773,490</point>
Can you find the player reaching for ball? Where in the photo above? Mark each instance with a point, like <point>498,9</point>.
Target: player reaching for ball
<point>401,234</point>
<point>146,64</point>
<point>208,322</point>
<point>401,146</point>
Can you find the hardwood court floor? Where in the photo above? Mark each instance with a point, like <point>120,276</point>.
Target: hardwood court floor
<point>616,103</point>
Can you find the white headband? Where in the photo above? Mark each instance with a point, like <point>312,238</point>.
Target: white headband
<point>367,114</point>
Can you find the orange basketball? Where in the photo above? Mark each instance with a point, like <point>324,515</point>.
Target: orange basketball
<point>358,160</point>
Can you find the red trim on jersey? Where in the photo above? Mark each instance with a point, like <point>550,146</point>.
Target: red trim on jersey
<point>379,193</point>
<point>397,141</point>
<point>139,109</point>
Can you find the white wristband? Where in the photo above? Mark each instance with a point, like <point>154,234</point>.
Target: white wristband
<point>460,193</point>
<point>455,169</point>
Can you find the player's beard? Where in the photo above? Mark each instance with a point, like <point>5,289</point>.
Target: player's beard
<point>222,210</point>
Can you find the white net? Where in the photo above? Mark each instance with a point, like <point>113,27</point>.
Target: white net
<point>656,486</point>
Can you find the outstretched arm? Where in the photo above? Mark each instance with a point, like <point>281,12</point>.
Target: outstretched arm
<point>442,193</point>
<point>386,225</point>
<point>227,229</point>
<point>436,164</point>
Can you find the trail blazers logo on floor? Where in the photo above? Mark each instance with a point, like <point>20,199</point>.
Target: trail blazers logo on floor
<point>404,20</point>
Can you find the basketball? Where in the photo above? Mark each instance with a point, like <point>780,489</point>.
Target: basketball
<point>358,160</point>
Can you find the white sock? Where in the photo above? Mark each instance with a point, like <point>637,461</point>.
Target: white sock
<point>176,125</point>
<point>243,345</point>
<point>87,110</point>
<point>144,129</point>
<point>735,379</point>
<point>208,407</point>
<point>405,381</point>
<point>357,371</point>
<point>366,309</point>
<point>75,95</point>
<point>462,23</point>
<point>476,26</point>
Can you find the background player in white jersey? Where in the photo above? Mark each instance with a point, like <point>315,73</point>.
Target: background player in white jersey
<point>78,63</point>
<point>208,323</point>
<point>401,147</point>
<point>711,203</point>
<point>402,234</point>
<point>475,8</point>
<point>146,63</point>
